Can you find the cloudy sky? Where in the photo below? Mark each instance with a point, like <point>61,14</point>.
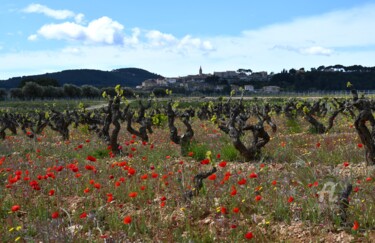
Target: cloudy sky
<point>172,38</point>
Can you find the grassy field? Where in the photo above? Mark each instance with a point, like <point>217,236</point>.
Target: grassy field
<point>73,191</point>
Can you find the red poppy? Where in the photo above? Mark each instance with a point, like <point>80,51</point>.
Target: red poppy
<point>274,182</point>
<point>127,220</point>
<point>258,198</point>
<point>223,210</point>
<point>253,175</point>
<point>144,177</point>
<point>318,145</point>
<point>133,194</point>
<point>212,177</point>
<point>355,225</point>
<point>360,145</point>
<point>190,154</point>
<point>236,210</point>
<point>163,198</point>
<point>91,158</point>
<point>356,189</point>
<point>223,164</point>
<point>15,208</point>
<point>131,171</point>
<point>249,235</point>
<point>242,181</point>
<point>346,164</point>
<point>368,179</point>
<point>51,192</point>
<point>55,215</point>
<point>83,215</point>
<point>291,199</point>
<point>218,156</point>
<point>233,192</point>
<point>205,162</point>
<point>97,185</point>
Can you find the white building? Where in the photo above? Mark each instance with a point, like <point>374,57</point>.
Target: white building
<point>249,88</point>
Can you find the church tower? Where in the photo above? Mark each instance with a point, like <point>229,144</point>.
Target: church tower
<point>200,70</point>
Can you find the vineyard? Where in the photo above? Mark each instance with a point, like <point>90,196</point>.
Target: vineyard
<point>210,170</point>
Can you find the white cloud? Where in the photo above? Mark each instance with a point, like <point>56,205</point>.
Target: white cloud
<point>159,39</point>
<point>316,50</point>
<point>100,31</point>
<point>32,37</point>
<point>79,18</point>
<point>57,14</point>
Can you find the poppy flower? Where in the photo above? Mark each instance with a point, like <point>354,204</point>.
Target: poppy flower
<point>51,192</point>
<point>249,235</point>
<point>274,182</point>
<point>205,162</point>
<point>91,158</point>
<point>133,194</point>
<point>223,210</point>
<point>346,164</point>
<point>360,145</point>
<point>222,164</point>
<point>258,198</point>
<point>355,225</point>
<point>127,220</point>
<point>233,192</point>
<point>83,215</point>
<point>15,208</point>
<point>190,154</point>
<point>236,210</point>
<point>242,181</point>
<point>291,199</point>
<point>253,175</point>
<point>212,177</point>
<point>55,215</point>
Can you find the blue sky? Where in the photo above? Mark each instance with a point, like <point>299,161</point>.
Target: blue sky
<point>174,38</point>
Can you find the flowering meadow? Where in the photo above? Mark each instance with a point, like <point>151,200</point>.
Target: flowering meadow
<point>77,190</point>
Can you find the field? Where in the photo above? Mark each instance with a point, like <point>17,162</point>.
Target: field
<point>76,190</point>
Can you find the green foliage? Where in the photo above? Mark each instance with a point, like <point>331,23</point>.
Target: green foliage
<point>229,153</point>
<point>293,126</point>
<point>199,150</point>
<point>100,153</point>
<point>159,119</point>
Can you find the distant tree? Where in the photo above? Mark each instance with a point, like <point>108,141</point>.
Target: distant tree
<point>128,93</point>
<point>42,81</point>
<point>3,94</point>
<point>72,91</point>
<point>292,71</point>
<point>90,91</point>
<point>159,92</point>
<point>109,90</point>
<point>16,93</point>
<point>53,92</point>
<point>32,90</point>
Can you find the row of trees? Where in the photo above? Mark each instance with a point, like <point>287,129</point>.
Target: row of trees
<point>32,90</point>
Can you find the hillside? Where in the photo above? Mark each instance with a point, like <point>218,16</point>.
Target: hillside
<point>127,77</point>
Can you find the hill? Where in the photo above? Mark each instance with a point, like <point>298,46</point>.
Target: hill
<point>127,77</point>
